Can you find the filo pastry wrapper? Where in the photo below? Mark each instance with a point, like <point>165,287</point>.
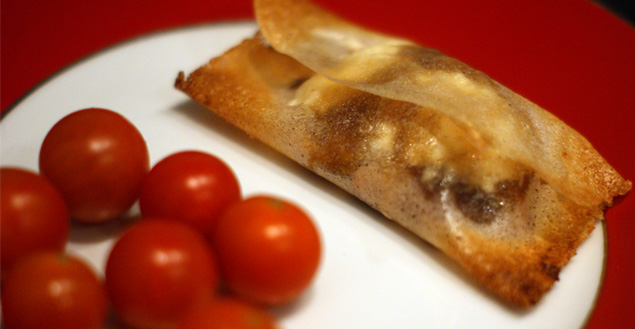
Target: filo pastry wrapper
<point>497,183</point>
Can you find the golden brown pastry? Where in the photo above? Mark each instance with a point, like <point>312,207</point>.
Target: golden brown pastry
<point>497,183</point>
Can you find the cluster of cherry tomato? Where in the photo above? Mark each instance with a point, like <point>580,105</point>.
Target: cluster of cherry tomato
<point>200,256</point>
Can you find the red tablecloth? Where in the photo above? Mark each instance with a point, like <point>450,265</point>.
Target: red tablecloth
<point>570,56</point>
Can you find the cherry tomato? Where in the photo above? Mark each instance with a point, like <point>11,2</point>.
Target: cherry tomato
<point>33,216</point>
<point>190,186</point>
<point>268,249</point>
<point>227,313</point>
<point>52,290</point>
<point>157,270</point>
<point>97,159</point>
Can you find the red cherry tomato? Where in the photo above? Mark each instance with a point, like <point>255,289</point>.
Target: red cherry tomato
<point>52,290</point>
<point>157,270</point>
<point>33,216</point>
<point>190,186</point>
<point>227,313</point>
<point>97,159</point>
<point>268,249</point>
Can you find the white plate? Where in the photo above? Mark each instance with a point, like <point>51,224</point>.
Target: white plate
<point>373,273</point>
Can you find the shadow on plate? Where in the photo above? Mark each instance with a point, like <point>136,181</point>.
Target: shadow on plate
<point>84,233</point>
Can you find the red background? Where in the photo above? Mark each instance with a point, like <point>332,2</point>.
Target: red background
<point>569,56</point>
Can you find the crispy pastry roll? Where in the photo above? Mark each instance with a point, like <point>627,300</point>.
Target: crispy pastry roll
<point>497,183</point>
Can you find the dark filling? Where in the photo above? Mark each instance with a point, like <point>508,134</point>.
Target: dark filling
<point>475,203</point>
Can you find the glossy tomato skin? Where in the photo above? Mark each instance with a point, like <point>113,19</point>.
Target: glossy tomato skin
<point>33,216</point>
<point>97,159</point>
<point>53,290</point>
<point>190,186</point>
<point>227,313</point>
<point>157,270</point>
<point>268,249</point>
